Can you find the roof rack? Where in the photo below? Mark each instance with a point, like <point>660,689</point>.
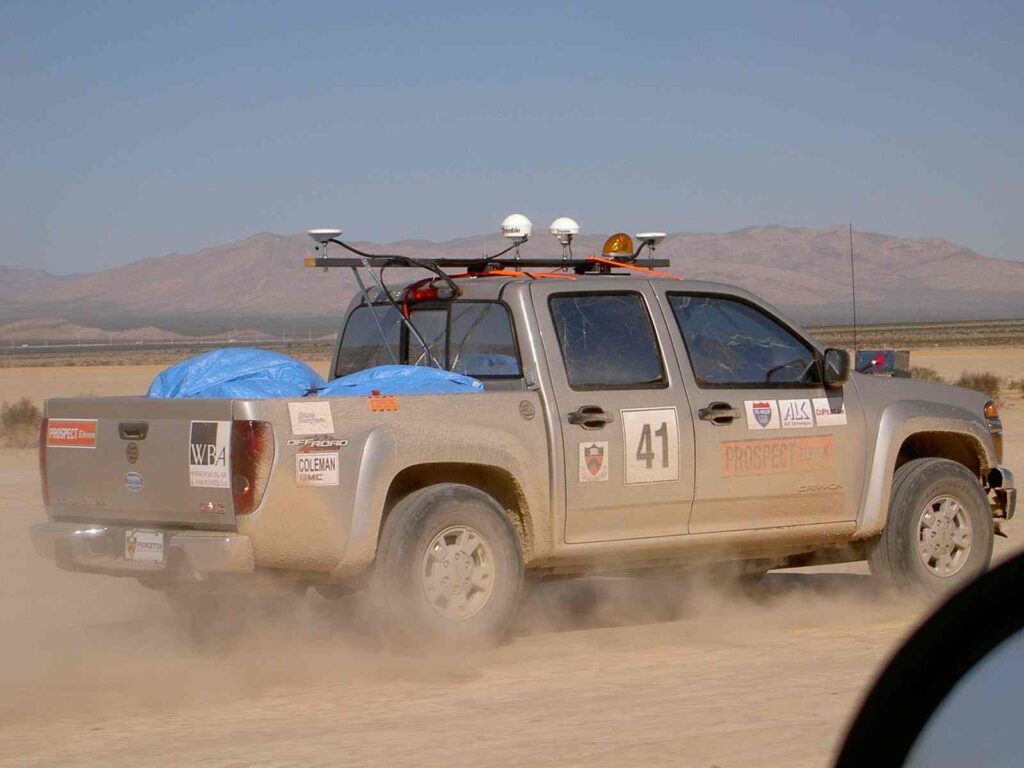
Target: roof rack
<point>483,266</point>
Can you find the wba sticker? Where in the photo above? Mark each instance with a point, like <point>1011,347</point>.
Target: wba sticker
<point>593,462</point>
<point>208,454</point>
<point>762,414</point>
<point>71,433</point>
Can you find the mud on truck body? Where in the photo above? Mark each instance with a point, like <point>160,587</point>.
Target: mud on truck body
<point>630,421</point>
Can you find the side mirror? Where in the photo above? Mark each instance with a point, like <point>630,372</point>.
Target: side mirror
<point>836,365</point>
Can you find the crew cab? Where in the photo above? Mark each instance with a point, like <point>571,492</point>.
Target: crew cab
<point>629,420</point>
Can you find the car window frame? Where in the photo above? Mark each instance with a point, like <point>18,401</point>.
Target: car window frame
<point>403,335</point>
<point>664,383</point>
<point>702,384</point>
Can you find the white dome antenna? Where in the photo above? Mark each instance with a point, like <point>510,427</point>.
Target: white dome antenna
<point>323,235</point>
<point>564,230</point>
<point>651,240</point>
<point>517,228</point>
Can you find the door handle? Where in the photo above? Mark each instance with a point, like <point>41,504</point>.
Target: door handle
<point>590,417</point>
<point>719,414</point>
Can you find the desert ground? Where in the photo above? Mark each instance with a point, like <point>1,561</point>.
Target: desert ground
<point>602,673</point>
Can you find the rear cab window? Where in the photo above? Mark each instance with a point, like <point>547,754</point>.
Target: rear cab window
<point>474,338</point>
<point>607,341</point>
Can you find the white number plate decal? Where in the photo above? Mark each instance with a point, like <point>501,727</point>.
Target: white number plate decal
<point>651,443</point>
<point>144,546</point>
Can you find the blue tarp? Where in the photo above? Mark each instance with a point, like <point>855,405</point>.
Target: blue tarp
<point>246,373</point>
<point>401,380</point>
<point>240,372</point>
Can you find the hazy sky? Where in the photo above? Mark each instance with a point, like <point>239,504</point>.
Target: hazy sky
<point>135,129</point>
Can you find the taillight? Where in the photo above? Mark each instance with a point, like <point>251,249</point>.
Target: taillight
<point>252,457</point>
<point>42,460</point>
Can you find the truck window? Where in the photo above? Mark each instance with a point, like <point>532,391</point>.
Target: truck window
<point>474,338</point>
<point>481,342</point>
<point>733,344</point>
<point>607,341</point>
<point>361,344</point>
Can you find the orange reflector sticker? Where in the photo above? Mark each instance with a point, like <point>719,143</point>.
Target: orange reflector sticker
<point>378,403</point>
<point>778,456</point>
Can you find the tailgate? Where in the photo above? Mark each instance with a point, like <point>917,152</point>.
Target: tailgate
<point>140,460</point>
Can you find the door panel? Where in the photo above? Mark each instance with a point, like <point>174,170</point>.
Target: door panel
<point>775,454</point>
<point>627,444</point>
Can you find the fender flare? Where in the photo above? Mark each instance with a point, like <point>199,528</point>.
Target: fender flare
<point>899,421</point>
<point>381,462</point>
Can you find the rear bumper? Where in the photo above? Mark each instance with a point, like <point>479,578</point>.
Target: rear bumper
<point>95,548</point>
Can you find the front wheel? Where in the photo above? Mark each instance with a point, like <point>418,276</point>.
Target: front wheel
<point>448,568</point>
<point>939,532</point>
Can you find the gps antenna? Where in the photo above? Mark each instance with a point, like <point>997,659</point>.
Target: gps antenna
<point>853,290</point>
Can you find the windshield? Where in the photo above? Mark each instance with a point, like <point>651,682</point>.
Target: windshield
<point>474,338</point>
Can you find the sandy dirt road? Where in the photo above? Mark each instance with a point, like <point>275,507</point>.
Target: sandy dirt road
<point>93,672</point>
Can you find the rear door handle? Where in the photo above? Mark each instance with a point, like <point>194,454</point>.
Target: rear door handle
<point>719,414</point>
<point>590,417</point>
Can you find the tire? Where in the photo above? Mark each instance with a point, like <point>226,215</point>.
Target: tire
<point>449,569</point>
<point>939,533</point>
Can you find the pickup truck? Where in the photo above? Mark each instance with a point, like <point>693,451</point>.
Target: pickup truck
<point>630,420</point>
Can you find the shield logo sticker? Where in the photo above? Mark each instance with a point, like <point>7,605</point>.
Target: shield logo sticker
<point>762,414</point>
<point>593,462</point>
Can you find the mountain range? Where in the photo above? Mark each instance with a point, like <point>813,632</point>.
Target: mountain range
<point>804,271</point>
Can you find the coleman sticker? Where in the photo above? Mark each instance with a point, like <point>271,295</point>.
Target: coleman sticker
<point>593,462</point>
<point>311,418</point>
<point>770,457</point>
<point>71,433</point>
<point>829,412</point>
<point>762,414</point>
<point>208,454</point>
<point>796,414</point>
<point>316,468</point>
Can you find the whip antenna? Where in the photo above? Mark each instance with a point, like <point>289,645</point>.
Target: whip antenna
<point>853,291</point>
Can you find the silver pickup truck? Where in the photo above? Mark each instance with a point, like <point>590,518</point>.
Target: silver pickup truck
<point>629,421</point>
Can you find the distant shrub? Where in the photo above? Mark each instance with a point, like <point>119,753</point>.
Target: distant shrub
<point>19,424</point>
<point>981,381</point>
<point>924,373</point>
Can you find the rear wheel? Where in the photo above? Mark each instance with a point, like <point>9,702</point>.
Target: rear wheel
<point>939,532</point>
<point>448,567</point>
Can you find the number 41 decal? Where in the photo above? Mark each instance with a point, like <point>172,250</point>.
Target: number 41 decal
<point>651,437</point>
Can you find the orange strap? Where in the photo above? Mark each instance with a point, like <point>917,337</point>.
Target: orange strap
<point>633,267</point>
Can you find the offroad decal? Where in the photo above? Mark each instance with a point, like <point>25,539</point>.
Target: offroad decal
<point>650,445</point>
<point>311,418</point>
<point>208,454</point>
<point>777,456</point>
<point>762,414</point>
<point>796,414</point>
<point>71,433</point>
<point>593,462</point>
<point>316,469</point>
<point>830,411</point>
<point>307,444</point>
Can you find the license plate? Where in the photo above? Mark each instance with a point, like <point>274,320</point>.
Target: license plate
<point>144,546</point>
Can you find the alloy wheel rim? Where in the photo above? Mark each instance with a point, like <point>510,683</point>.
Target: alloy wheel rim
<point>944,536</point>
<point>458,572</point>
